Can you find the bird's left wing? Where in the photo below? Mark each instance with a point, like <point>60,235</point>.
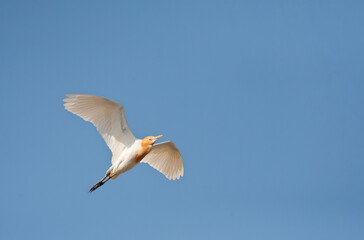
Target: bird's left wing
<point>166,158</point>
<point>107,116</point>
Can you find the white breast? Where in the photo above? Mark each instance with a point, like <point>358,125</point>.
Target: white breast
<point>126,160</point>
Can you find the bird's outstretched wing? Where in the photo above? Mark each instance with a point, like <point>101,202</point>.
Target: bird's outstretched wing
<point>107,116</point>
<point>166,158</point>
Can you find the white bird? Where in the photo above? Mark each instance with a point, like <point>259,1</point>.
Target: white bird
<point>127,150</point>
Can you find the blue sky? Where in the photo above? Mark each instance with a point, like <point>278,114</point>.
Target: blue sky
<point>264,100</point>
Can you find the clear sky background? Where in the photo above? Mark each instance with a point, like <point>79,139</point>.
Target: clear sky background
<point>264,99</point>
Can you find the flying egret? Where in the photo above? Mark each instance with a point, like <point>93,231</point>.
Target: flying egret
<point>127,150</point>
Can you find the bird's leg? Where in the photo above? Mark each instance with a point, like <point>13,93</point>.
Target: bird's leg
<point>108,172</point>
<point>100,183</point>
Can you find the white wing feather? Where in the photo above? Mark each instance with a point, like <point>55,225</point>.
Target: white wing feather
<point>107,116</point>
<point>166,158</point>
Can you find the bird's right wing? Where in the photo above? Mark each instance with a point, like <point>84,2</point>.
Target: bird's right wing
<point>107,116</point>
<point>166,158</point>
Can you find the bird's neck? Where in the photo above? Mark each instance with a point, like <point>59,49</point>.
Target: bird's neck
<point>144,150</point>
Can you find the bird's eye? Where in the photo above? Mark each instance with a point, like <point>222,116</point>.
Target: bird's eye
<point>150,139</point>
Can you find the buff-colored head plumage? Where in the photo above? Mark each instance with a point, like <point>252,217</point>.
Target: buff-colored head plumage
<point>150,140</point>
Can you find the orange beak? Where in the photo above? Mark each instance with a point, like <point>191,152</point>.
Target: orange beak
<point>159,136</point>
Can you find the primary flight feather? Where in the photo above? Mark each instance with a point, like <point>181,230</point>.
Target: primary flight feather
<point>127,150</point>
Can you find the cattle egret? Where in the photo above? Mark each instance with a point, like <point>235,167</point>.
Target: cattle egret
<point>127,150</point>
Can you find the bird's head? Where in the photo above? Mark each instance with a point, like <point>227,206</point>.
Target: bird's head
<point>151,140</point>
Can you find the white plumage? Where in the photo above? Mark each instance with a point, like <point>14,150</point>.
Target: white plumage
<point>109,119</point>
<point>166,158</point>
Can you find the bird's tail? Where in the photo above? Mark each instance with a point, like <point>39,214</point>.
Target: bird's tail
<point>99,184</point>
